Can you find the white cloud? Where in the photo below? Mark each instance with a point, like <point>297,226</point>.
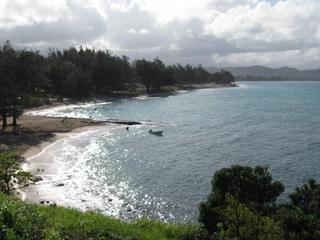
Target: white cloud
<point>288,21</point>
<point>143,31</point>
<point>81,25</point>
<point>23,12</point>
<point>132,31</point>
<point>310,57</point>
<point>227,32</point>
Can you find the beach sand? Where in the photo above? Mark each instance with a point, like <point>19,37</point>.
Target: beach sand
<point>35,135</point>
<point>33,131</point>
<point>41,163</point>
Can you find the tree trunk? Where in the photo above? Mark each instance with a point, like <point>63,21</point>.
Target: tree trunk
<point>8,188</point>
<point>4,119</point>
<point>14,121</point>
<point>15,114</point>
<point>7,182</point>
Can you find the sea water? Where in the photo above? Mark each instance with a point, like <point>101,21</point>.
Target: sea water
<point>133,174</point>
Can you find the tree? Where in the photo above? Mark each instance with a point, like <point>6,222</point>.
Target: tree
<point>15,110</point>
<point>239,222</point>
<point>11,171</point>
<point>301,217</point>
<point>252,187</point>
<point>8,57</point>
<point>20,75</point>
<point>75,73</point>
<point>307,198</point>
<point>154,75</point>
<point>144,73</point>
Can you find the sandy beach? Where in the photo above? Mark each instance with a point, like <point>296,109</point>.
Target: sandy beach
<point>40,162</point>
<point>34,130</point>
<point>35,135</point>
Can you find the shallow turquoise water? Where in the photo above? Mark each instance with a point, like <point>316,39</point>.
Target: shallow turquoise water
<point>268,123</point>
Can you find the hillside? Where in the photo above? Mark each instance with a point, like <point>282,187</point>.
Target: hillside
<point>256,73</point>
<point>57,223</point>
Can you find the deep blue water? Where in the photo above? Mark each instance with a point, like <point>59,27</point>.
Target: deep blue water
<point>275,124</point>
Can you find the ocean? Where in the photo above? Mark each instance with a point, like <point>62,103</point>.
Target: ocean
<point>133,174</point>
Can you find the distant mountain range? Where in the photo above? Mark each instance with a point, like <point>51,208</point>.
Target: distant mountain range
<point>261,73</point>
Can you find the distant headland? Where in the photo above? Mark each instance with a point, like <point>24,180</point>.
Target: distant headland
<point>262,73</point>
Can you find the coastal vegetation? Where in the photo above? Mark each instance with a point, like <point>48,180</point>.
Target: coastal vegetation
<point>11,173</point>
<point>28,79</point>
<point>25,221</point>
<point>243,205</point>
<point>244,202</point>
<point>252,187</point>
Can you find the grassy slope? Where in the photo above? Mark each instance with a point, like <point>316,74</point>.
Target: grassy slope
<point>62,223</point>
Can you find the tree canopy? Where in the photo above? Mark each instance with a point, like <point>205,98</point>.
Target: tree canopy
<point>243,205</point>
<point>78,73</point>
<point>253,187</point>
<point>11,172</point>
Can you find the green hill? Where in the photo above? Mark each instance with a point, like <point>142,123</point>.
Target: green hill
<point>24,221</point>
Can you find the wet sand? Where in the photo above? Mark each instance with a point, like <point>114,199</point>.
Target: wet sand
<point>33,131</point>
<point>31,139</point>
<point>41,163</point>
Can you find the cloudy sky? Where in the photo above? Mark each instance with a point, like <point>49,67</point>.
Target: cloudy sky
<point>208,32</point>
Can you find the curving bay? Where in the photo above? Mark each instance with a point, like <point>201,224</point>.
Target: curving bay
<point>133,174</point>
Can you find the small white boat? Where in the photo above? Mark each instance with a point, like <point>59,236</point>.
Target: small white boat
<point>157,133</point>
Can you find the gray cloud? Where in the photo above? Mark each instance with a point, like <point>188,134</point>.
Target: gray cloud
<point>208,32</point>
<point>84,25</point>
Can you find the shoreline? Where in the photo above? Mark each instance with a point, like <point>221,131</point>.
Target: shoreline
<point>41,163</point>
<point>57,133</point>
<point>108,99</point>
<point>34,136</point>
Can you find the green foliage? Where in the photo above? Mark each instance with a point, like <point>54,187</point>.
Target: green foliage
<point>238,217</point>
<point>78,73</point>
<point>239,222</point>
<point>33,101</point>
<point>20,73</point>
<point>301,218</point>
<point>223,77</point>
<point>154,75</point>
<point>23,221</point>
<point>243,205</point>
<point>10,171</point>
<point>297,225</point>
<point>20,221</point>
<point>307,198</point>
<point>250,186</point>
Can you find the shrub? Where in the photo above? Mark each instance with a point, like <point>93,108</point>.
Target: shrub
<point>252,187</point>
<point>240,223</point>
<point>10,171</point>
<point>301,217</point>
<point>33,101</point>
<point>20,221</point>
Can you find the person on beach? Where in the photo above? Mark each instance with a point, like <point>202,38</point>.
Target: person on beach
<point>64,119</point>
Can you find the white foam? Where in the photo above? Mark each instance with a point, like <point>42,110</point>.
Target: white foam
<point>63,109</point>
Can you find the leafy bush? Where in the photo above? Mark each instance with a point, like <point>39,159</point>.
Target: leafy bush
<point>307,198</point>
<point>33,101</point>
<point>239,222</point>
<point>242,206</point>
<point>20,221</point>
<point>10,172</point>
<point>252,187</point>
<point>301,217</point>
<point>24,221</point>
